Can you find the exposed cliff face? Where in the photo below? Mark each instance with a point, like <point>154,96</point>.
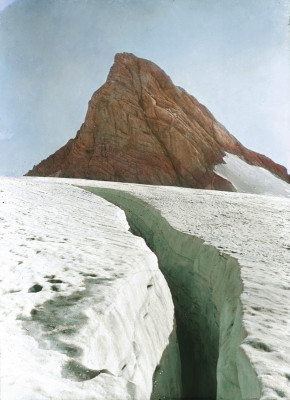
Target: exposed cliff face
<point>141,128</point>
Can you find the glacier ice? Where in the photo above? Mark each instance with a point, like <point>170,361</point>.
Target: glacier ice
<point>85,312</point>
<point>225,257</point>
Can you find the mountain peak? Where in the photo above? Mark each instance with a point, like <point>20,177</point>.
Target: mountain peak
<point>127,67</point>
<point>123,57</point>
<point>141,128</point>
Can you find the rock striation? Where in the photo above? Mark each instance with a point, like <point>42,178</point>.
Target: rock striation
<point>141,128</point>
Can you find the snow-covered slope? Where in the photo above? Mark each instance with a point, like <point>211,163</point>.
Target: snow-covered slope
<point>85,312</point>
<point>248,178</point>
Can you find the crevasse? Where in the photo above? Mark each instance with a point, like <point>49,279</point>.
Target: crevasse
<point>206,288</point>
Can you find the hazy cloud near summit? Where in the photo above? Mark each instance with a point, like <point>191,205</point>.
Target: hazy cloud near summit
<point>232,55</point>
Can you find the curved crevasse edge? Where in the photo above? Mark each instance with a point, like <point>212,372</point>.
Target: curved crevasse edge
<point>91,338</point>
<point>206,288</point>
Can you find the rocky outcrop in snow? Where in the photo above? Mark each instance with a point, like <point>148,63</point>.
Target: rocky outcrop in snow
<point>85,312</point>
<point>141,128</point>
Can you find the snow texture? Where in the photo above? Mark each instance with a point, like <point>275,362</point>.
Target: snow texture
<point>248,178</point>
<point>85,312</point>
<point>254,231</point>
<point>250,289</point>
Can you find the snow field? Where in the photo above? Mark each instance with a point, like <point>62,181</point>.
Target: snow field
<point>248,178</point>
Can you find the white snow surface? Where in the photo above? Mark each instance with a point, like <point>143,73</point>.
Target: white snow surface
<point>248,178</point>
<point>103,304</point>
<point>255,230</point>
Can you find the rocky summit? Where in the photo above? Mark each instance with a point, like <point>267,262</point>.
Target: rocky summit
<point>141,128</point>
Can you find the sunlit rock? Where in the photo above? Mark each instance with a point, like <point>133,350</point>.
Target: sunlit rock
<point>141,128</point>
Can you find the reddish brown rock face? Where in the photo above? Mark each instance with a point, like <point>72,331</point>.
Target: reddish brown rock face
<point>141,128</point>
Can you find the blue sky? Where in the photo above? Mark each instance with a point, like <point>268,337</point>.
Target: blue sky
<point>232,55</point>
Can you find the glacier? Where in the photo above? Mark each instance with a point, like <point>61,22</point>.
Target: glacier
<point>225,257</point>
<point>232,257</point>
<point>85,311</point>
